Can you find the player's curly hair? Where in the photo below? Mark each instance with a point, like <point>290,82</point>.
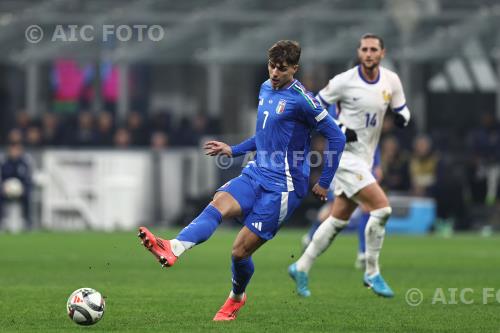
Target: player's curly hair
<point>285,51</point>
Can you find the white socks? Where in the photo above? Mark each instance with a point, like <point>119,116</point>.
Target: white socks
<point>374,236</point>
<point>178,247</point>
<point>322,239</point>
<point>236,297</point>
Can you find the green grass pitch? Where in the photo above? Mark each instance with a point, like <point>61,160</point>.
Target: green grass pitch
<point>39,270</point>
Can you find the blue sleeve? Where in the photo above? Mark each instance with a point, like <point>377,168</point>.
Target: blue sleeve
<point>331,156</point>
<point>244,147</point>
<point>319,119</point>
<point>332,110</point>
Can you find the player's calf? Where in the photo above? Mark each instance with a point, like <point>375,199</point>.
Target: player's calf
<point>374,235</point>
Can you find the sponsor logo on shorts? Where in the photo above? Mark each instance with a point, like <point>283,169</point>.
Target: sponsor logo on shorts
<point>257,225</point>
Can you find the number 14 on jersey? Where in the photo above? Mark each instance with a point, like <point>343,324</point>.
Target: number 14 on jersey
<point>371,120</point>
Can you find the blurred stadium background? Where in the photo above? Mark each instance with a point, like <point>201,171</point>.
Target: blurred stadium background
<point>111,130</point>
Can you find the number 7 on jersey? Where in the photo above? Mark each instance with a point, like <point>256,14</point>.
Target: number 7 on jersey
<point>266,114</point>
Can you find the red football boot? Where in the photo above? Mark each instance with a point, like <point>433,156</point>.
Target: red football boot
<point>159,247</point>
<point>230,309</point>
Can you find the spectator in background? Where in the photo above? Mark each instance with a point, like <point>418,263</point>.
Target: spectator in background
<point>16,181</point>
<point>51,131</point>
<point>159,141</point>
<point>15,135</point>
<point>423,167</point>
<point>85,134</point>
<point>484,140</point>
<point>449,193</point>
<point>122,138</point>
<point>33,136</point>
<point>137,129</point>
<point>395,166</point>
<point>161,121</point>
<point>105,129</point>
<point>483,145</point>
<point>23,121</point>
<point>200,128</point>
<point>183,136</point>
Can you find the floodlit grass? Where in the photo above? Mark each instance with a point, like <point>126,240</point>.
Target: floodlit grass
<point>39,271</point>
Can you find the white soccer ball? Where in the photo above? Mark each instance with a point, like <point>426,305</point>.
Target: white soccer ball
<point>85,306</point>
<point>13,188</point>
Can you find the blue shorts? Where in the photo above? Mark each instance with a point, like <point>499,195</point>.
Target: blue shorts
<point>263,211</point>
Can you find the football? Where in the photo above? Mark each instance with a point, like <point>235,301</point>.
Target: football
<point>13,188</point>
<point>85,306</point>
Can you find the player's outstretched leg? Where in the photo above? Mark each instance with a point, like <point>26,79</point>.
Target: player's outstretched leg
<point>322,239</point>
<point>374,234</point>
<point>198,231</point>
<point>242,273</point>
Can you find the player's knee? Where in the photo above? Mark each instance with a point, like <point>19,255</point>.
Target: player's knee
<point>226,205</point>
<point>331,226</point>
<point>382,214</point>
<point>240,253</point>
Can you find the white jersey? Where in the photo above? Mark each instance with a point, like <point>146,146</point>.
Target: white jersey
<point>361,106</point>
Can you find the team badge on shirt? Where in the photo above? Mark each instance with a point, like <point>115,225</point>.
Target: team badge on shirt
<point>281,106</point>
<point>387,96</point>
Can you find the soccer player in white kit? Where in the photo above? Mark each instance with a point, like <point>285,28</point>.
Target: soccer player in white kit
<point>363,95</point>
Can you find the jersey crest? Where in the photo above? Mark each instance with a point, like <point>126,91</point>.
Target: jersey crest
<point>387,96</point>
<point>281,106</point>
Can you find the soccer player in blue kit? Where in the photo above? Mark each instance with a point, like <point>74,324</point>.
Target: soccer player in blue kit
<point>269,188</point>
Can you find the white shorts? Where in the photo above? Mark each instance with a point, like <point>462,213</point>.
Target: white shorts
<point>352,175</point>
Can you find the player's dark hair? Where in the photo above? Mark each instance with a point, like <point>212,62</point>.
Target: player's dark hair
<point>285,51</point>
<point>374,36</point>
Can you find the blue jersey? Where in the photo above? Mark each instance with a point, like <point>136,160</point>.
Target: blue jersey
<point>285,120</point>
<point>332,111</point>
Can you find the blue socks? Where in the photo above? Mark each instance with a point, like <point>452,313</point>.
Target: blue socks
<point>363,220</point>
<point>201,228</point>
<point>242,272</point>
